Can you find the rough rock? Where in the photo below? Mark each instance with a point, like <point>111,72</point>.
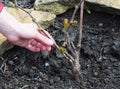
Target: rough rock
<point>60,6</point>
<point>54,6</point>
<point>109,6</point>
<point>43,18</point>
<point>4,44</point>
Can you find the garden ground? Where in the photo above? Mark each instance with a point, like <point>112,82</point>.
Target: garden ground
<point>100,58</point>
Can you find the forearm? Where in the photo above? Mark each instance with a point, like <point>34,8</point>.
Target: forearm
<point>7,23</point>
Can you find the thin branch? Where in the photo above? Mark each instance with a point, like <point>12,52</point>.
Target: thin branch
<point>66,35</point>
<point>81,24</point>
<point>3,66</point>
<point>71,49</point>
<point>75,11</point>
<point>70,60</point>
<point>69,56</point>
<point>73,46</point>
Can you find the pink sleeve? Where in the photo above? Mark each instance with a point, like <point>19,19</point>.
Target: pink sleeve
<point>1,6</point>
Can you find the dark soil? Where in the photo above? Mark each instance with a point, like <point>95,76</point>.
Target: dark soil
<point>100,59</point>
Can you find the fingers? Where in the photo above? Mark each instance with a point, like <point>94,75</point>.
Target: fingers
<point>41,37</point>
<point>38,41</point>
<point>32,48</point>
<point>48,35</point>
<point>48,48</point>
<point>42,47</point>
<point>44,40</point>
<point>35,46</point>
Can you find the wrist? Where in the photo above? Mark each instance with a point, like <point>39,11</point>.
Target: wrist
<point>4,15</point>
<point>8,24</point>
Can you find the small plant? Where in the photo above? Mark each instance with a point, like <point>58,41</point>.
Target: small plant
<point>69,49</point>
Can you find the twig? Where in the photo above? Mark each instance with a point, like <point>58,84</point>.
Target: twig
<point>3,66</point>
<point>77,65</point>
<point>75,11</point>
<point>71,49</point>
<point>66,35</point>
<point>73,46</point>
<point>81,24</point>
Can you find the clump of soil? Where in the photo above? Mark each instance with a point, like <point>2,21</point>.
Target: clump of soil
<point>100,58</point>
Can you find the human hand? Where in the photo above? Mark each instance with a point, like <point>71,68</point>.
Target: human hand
<point>27,35</point>
<point>24,35</point>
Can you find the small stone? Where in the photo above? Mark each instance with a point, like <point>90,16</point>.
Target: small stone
<point>113,30</point>
<point>100,24</point>
<point>47,64</point>
<point>15,58</point>
<point>99,59</point>
<point>11,62</point>
<point>95,73</point>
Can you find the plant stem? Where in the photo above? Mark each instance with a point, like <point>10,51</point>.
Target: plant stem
<point>81,25</point>
<point>76,67</point>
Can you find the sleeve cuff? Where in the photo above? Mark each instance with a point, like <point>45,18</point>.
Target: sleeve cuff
<point>1,6</point>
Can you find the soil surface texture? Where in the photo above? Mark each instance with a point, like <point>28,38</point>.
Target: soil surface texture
<point>100,58</point>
